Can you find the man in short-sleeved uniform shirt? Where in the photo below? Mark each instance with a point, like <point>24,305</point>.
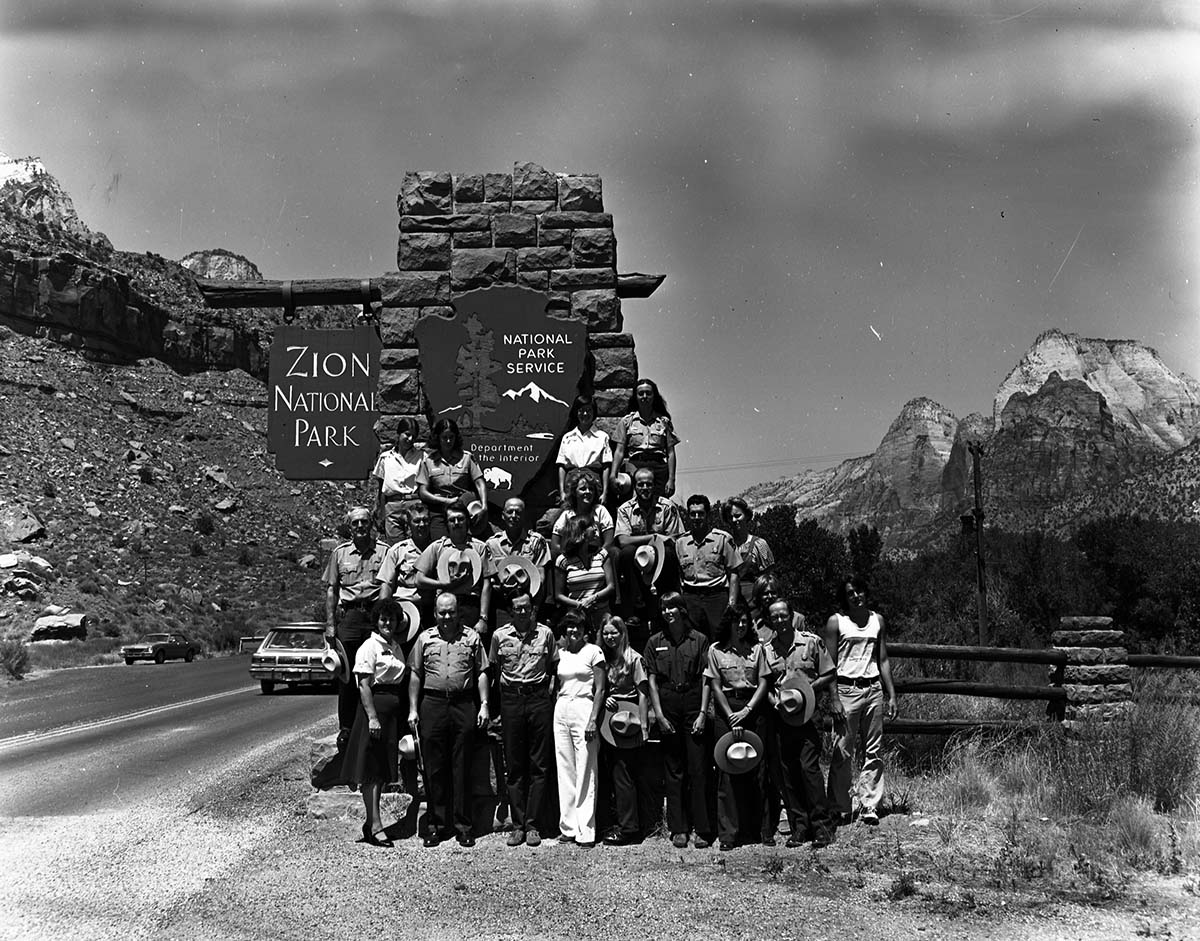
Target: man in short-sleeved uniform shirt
<point>448,693</point>
<point>794,753</point>
<point>350,590</point>
<point>638,519</point>
<point>524,653</point>
<point>516,538</point>
<point>708,565</point>
<point>474,598</point>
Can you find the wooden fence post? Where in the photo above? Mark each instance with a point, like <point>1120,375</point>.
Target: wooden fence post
<point>1097,676</point>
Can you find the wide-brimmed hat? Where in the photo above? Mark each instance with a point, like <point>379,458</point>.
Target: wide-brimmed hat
<point>623,482</point>
<point>797,701</point>
<point>651,556</point>
<point>457,558</point>
<point>407,747</point>
<point>738,751</point>
<point>516,574</point>
<point>413,613</point>
<point>476,509</point>
<point>335,660</point>
<point>622,726</point>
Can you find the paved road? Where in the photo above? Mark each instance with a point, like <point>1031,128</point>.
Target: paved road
<point>101,738</point>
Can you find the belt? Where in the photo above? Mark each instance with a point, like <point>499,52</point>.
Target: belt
<point>361,603</point>
<point>861,682</point>
<point>451,695</point>
<point>396,689</point>
<point>681,687</point>
<point>525,689</point>
<point>706,590</point>
<point>742,696</point>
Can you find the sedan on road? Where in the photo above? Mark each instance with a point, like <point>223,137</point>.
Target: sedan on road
<point>160,648</point>
<point>291,653</point>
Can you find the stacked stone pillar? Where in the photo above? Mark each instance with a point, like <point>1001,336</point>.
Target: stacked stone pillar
<point>531,228</point>
<point>1097,677</point>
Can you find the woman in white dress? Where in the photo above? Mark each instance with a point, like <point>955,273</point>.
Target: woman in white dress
<point>580,683</point>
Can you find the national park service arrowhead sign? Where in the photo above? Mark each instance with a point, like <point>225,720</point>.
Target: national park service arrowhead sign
<point>506,371</point>
<point>321,410</point>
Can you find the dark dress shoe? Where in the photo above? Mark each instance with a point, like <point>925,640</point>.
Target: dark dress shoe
<point>466,840</point>
<point>431,839</point>
<point>620,839</point>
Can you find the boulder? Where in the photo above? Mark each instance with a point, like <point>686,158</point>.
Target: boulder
<point>19,523</point>
<point>61,627</point>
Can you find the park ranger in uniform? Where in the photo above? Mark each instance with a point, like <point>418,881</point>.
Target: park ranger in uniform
<point>350,590</point>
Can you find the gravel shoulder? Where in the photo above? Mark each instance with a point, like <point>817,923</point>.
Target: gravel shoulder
<point>238,857</point>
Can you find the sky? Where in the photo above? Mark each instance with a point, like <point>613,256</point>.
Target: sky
<point>855,203</point>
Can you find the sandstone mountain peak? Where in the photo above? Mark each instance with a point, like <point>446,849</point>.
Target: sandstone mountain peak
<point>221,264</point>
<point>29,190</point>
<point>1143,394</point>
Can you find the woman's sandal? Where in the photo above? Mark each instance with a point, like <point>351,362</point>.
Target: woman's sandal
<point>368,836</point>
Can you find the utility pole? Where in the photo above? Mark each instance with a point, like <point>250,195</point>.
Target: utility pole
<point>976,449</point>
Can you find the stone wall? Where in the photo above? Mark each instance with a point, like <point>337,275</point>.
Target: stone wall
<point>532,228</point>
<point>1097,676</point>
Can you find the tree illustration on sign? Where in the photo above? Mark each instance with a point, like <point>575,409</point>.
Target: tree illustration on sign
<point>476,391</point>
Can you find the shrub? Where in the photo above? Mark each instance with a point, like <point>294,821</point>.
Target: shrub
<point>89,586</point>
<point>245,556</point>
<point>1164,740</point>
<point>196,549</point>
<point>146,474</point>
<point>49,490</point>
<point>14,657</point>
<point>204,523</point>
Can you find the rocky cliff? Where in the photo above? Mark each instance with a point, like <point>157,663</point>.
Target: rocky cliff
<point>1143,394</point>
<point>1073,423</point>
<point>60,280</point>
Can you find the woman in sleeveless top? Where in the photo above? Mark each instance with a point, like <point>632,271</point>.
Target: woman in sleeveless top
<point>863,696</point>
<point>757,557</point>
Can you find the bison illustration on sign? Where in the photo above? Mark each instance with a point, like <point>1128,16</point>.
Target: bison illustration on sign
<point>505,369</point>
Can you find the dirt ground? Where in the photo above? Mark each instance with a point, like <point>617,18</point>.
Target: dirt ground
<point>243,859</point>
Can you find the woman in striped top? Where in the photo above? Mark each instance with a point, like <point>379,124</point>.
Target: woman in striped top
<point>583,574</point>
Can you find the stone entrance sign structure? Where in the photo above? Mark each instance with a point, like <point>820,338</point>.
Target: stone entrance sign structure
<point>532,228</point>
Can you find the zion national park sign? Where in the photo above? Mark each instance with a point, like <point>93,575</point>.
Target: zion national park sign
<point>506,370</point>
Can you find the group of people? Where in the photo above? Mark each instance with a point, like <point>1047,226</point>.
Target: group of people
<point>633,655</point>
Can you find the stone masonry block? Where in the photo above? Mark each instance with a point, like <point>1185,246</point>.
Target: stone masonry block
<point>608,425</point>
<point>1096,638</point>
<point>603,341</point>
<point>555,256</point>
<point>577,220</point>
<point>1111,674</point>
<point>549,237</point>
<point>468,188</point>
<point>1088,694</point>
<point>400,388</point>
<point>425,192</point>
<point>1116,655</point>
<point>473,239</point>
<point>1082,654</point>
<point>534,206</point>
<point>560,302</point>
<point>580,192</point>
<point>611,403</point>
<point>414,289</point>
<point>600,309</point>
<point>1078,715</point>
<point>424,251</point>
<point>615,368</point>
<point>536,280</point>
<point>593,248</point>
<point>497,187</point>
<point>530,181</point>
<point>482,267</point>
<point>400,358</point>
<point>451,222</point>
<point>576,279</point>
<point>397,325</point>
<point>1079,622</point>
<point>514,230</point>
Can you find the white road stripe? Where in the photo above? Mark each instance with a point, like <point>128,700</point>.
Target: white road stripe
<point>30,737</point>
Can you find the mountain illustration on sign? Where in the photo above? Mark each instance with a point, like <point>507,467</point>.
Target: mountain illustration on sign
<point>535,392</point>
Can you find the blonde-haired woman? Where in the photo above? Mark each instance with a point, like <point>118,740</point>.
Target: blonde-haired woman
<point>621,762</point>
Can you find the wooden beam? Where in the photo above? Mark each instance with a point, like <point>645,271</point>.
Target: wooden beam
<point>987,654</point>
<point>923,684</point>
<point>312,292</point>
<point>950,726</point>
<point>1160,660</point>
<point>636,284</point>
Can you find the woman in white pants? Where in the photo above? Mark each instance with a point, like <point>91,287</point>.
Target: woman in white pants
<point>860,700</point>
<point>576,714</point>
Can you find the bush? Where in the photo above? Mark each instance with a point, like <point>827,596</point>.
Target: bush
<point>204,523</point>
<point>14,657</point>
<point>1164,740</point>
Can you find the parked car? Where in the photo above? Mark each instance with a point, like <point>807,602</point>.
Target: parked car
<point>160,648</point>
<point>291,653</point>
